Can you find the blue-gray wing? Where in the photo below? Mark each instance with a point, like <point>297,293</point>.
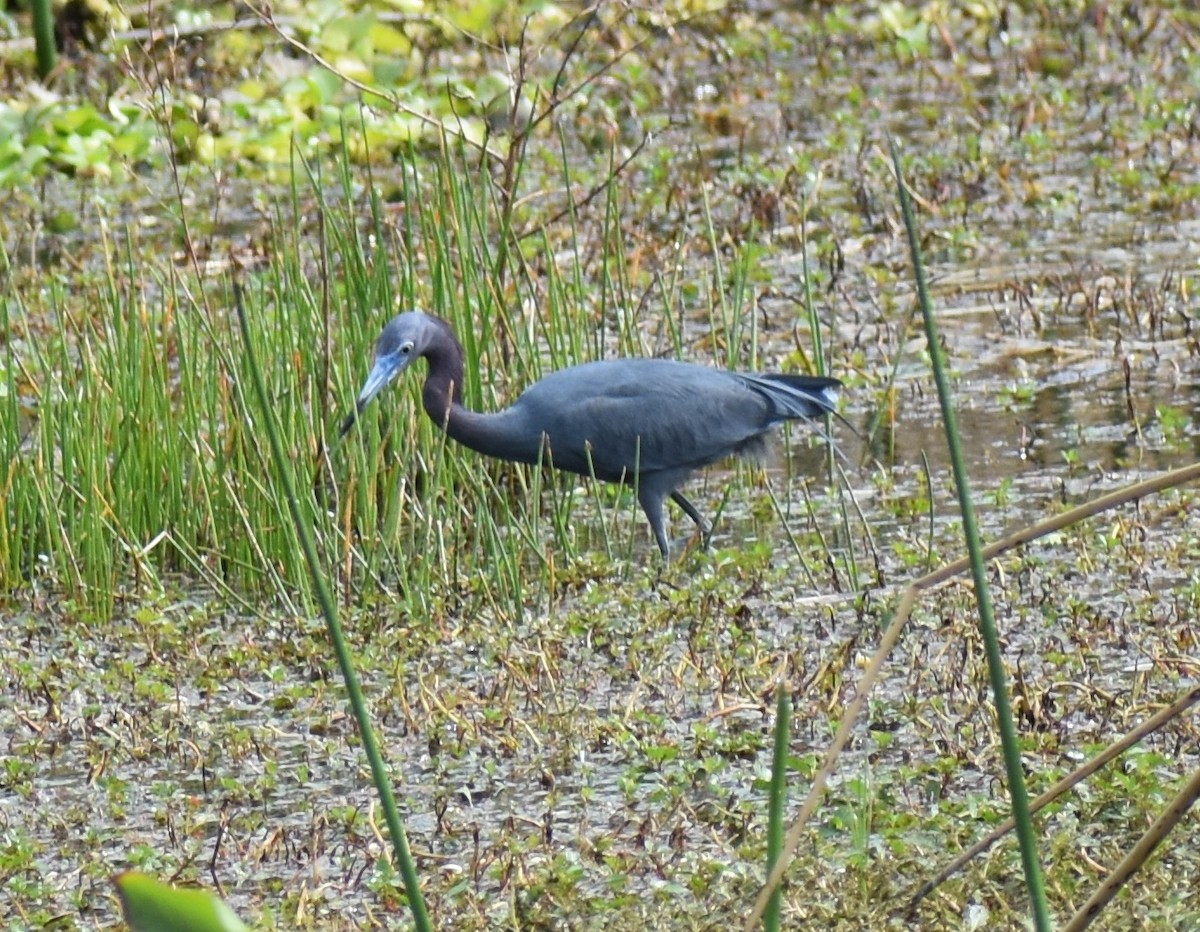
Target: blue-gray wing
<point>616,417</point>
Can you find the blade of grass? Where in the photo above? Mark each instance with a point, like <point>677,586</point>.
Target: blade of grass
<point>777,800</point>
<point>1018,793</point>
<point>908,597</point>
<point>379,774</point>
<point>1074,778</point>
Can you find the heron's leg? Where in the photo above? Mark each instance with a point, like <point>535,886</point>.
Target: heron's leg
<point>652,504</point>
<point>692,512</point>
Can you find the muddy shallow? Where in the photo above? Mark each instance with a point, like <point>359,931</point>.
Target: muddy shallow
<point>595,756</point>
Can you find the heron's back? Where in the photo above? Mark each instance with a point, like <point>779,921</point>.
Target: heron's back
<point>619,417</point>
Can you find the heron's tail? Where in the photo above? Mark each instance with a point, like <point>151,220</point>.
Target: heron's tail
<point>804,396</point>
<point>797,396</point>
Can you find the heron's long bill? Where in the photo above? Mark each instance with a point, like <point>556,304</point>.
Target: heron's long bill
<point>382,373</point>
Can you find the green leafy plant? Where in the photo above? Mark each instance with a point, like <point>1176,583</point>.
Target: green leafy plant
<point>152,906</point>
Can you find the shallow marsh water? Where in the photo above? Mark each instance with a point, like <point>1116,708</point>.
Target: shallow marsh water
<point>596,758</point>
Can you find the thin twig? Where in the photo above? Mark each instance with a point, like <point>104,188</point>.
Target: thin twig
<point>1137,856</point>
<point>1116,749</point>
<point>1173,479</point>
<point>393,101</point>
<point>596,190</point>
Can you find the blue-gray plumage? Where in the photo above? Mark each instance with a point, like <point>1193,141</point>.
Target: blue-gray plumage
<point>649,423</point>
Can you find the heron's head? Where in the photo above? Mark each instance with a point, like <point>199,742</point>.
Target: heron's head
<point>406,337</point>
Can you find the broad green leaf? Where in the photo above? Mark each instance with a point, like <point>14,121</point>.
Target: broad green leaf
<point>151,906</point>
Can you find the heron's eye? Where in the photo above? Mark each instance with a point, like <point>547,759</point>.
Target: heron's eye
<point>405,348</point>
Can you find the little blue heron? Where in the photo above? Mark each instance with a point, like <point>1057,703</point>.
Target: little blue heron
<point>649,423</point>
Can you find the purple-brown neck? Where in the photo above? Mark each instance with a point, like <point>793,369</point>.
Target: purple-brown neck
<point>505,434</point>
<point>443,383</point>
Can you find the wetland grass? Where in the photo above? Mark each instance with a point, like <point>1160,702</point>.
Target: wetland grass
<point>577,743</point>
<point>147,429</point>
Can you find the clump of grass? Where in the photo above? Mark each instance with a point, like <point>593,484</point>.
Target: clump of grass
<point>143,458</point>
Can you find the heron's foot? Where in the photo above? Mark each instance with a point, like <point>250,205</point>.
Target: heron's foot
<point>662,579</point>
<point>673,550</point>
<point>699,539</point>
<point>678,548</point>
